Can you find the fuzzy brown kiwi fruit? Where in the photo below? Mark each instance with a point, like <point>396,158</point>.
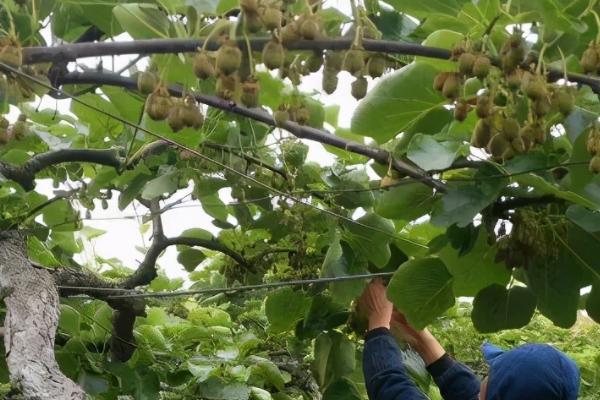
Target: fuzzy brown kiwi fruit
<point>176,116</point>
<point>203,65</point>
<point>484,106</point>
<point>302,115</point>
<point>481,66</point>
<point>461,110</point>
<point>354,61</point>
<point>498,146</point>
<point>359,88</point>
<point>513,80</point>
<point>564,101</point>
<point>249,5</point>
<point>192,116</point>
<point>229,57</point>
<point>227,86</point>
<point>465,63</point>
<point>19,128</point>
<point>510,128</point>
<point>334,60</point>
<point>146,82</point>
<point>252,22</point>
<point>541,106</point>
<point>481,134</point>
<point>250,90</point>
<point>595,164</point>
<point>511,57</point>
<point>310,28</point>
<point>452,85</point>
<point>518,145</point>
<point>314,62</point>
<point>290,32</point>
<point>273,55</point>
<point>376,66</point>
<point>593,141</point>
<point>281,116</point>
<point>4,134</point>
<point>534,86</point>
<point>159,103</point>
<point>589,59</point>
<point>11,52</point>
<point>330,80</point>
<point>439,80</point>
<point>271,18</point>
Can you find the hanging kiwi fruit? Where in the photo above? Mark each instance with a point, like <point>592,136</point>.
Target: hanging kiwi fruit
<point>281,116</point>
<point>271,17</point>
<point>229,57</point>
<point>250,90</point>
<point>4,134</point>
<point>314,62</point>
<point>146,82</point>
<point>354,61</point>
<point>203,65</point>
<point>227,86</point>
<point>330,80</point>
<point>11,52</point>
<point>192,116</point>
<point>359,88</point>
<point>19,128</point>
<point>376,65</point>
<point>159,103</point>
<point>461,110</point>
<point>175,118</point>
<point>273,54</point>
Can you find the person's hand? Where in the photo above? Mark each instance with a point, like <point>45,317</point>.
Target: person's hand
<point>423,341</point>
<point>378,307</point>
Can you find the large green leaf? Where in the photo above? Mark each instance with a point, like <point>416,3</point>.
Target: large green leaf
<point>342,389</point>
<point>370,238</point>
<point>586,219</point>
<point>423,9</point>
<point>341,261</point>
<point>476,269</point>
<point>422,290</point>
<point>430,154</point>
<point>495,308</point>
<point>397,102</point>
<point>334,358</point>
<point>142,21</point>
<point>218,389</point>
<point>284,308</point>
<point>405,202</point>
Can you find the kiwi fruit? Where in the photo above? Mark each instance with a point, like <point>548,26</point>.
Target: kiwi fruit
<point>229,58</point>
<point>513,79</point>
<point>518,145</point>
<point>175,119</point>
<point>465,63</point>
<point>376,66</point>
<point>483,107</point>
<point>439,80</point>
<point>250,90</point>
<point>533,85</point>
<point>461,110</point>
<point>359,88</point>
<point>250,6</point>
<point>330,80</point>
<point>273,55</point>
<point>589,59</point>
<point>452,86</point>
<point>4,134</point>
<point>481,134</point>
<point>498,146</point>
<point>203,65</point>
<point>159,103</point>
<point>595,164</point>
<point>510,128</point>
<point>334,60</point>
<point>227,86</point>
<point>564,100</point>
<point>310,29</point>
<point>481,67</point>
<point>593,141</point>
<point>541,106</point>
<point>302,115</point>
<point>314,62</point>
<point>11,52</point>
<point>271,18</point>
<point>512,54</point>
<point>354,61</point>
<point>192,116</point>
<point>289,33</point>
<point>146,82</point>
<point>281,116</point>
<point>19,129</point>
<point>252,22</point>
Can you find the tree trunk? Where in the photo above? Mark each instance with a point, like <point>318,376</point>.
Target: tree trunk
<point>32,311</point>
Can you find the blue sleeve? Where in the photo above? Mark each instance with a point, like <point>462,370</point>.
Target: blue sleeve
<point>385,375</point>
<point>455,380</point>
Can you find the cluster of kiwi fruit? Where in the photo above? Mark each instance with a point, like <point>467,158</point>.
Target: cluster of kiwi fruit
<point>11,52</point>
<point>500,130</point>
<point>179,113</point>
<point>593,147</point>
<point>17,131</point>
<point>530,238</point>
<point>297,112</point>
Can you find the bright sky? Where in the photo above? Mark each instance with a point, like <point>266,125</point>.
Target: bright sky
<point>123,234</point>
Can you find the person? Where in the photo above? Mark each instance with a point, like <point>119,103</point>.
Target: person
<point>529,372</point>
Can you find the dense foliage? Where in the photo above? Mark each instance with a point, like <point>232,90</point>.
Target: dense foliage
<point>469,169</point>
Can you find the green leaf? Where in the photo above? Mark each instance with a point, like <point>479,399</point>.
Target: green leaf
<point>142,21</point>
<point>197,233</point>
<point>405,202</point>
<point>284,308</point>
<point>218,389</point>
<point>459,206</point>
<point>268,371</point>
<point>445,39</point>
<point>214,206</point>
<point>190,258</point>
<point>422,290</point>
<point>545,187</point>
<point>430,154</point>
<point>397,102</point>
<point>586,219</point>
<point>164,184</point>
<point>334,358</point>
<point>371,238</point>
<point>426,8</point>
<point>476,269</point>
<point>341,261</point>
<point>496,308</point>
<point>60,216</point>
<point>69,320</point>
<point>39,253</point>
<point>342,389</point>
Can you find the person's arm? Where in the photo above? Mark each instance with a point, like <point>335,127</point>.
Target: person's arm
<point>455,380</point>
<point>385,375</point>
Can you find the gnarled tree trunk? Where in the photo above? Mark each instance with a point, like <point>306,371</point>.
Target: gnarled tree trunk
<point>32,311</point>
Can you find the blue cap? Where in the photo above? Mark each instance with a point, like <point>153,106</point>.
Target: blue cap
<point>530,372</point>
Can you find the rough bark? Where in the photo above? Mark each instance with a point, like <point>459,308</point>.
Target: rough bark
<point>32,311</point>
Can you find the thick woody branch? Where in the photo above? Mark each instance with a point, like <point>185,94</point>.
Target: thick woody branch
<point>25,174</point>
<point>304,132</point>
<point>32,55</point>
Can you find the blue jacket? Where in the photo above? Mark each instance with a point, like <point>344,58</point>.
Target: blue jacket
<point>386,377</point>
